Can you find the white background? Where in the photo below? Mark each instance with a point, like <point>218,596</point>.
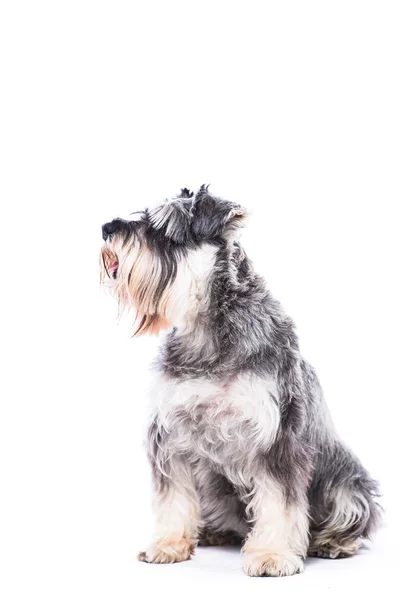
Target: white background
<point>290,108</point>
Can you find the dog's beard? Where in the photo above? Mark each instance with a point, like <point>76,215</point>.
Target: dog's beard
<point>142,282</point>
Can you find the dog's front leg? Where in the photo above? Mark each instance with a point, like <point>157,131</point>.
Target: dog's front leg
<point>279,539</point>
<point>177,514</point>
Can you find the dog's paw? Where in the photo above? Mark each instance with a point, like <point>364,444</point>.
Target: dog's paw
<point>335,550</point>
<point>168,552</point>
<point>271,564</point>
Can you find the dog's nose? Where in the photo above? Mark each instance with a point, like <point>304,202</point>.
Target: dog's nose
<point>108,229</point>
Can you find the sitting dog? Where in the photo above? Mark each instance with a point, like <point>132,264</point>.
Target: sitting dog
<point>241,443</point>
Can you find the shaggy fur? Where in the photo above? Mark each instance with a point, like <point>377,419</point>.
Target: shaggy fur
<point>241,443</point>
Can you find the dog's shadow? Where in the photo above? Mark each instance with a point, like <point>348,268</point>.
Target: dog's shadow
<point>227,559</point>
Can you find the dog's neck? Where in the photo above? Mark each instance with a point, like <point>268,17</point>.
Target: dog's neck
<point>214,279</point>
<point>216,335</point>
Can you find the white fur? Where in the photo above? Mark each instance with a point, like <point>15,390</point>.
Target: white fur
<point>279,537</point>
<point>177,509</point>
<point>230,417</point>
<point>191,283</point>
<point>177,514</point>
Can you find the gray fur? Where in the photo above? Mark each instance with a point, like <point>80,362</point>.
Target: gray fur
<point>242,330</point>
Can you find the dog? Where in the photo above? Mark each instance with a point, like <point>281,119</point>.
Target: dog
<point>241,443</point>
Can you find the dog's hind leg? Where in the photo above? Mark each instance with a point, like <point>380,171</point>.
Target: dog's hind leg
<point>343,509</point>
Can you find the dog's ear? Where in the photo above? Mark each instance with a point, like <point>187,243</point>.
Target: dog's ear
<point>185,193</point>
<point>213,217</point>
<point>173,218</point>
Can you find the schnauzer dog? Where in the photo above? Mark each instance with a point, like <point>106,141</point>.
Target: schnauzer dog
<point>241,443</point>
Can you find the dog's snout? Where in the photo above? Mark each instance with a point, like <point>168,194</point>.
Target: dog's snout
<point>108,229</point>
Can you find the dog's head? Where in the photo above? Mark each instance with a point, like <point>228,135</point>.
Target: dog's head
<point>157,264</point>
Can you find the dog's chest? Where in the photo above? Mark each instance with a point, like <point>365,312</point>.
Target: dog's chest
<point>220,421</point>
